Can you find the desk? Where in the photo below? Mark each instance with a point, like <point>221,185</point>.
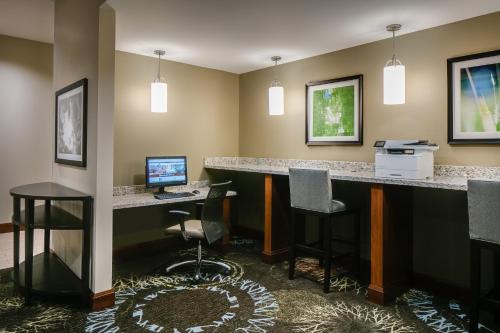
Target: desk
<point>391,212</point>
<point>126,197</point>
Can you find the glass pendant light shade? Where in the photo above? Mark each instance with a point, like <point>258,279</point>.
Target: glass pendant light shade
<point>276,95</point>
<point>159,96</point>
<point>159,90</point>
<point>394,74</point>
<point>276,99</point>
<point>394,83</point>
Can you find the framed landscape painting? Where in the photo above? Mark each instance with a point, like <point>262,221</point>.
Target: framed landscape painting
<point>334,111</point>
<point>71,124</point>
<point>474,99</point>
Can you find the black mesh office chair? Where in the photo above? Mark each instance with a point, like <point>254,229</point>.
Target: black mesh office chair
<point>211,226</point>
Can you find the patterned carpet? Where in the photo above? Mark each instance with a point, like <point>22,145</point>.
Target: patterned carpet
<point>254,297</point>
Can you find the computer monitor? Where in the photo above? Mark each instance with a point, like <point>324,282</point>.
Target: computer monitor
<point>164,171</point>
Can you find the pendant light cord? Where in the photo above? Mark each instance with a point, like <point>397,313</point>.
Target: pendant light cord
<point>394,47</point>
<point>159,60</point>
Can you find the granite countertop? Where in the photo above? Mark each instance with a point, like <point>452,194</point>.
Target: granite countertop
<point>139,196</point>
<point>445,176</point>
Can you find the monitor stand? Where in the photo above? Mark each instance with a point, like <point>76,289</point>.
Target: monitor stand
<point>161,190</point>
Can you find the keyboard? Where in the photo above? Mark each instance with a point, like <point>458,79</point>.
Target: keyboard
<point>173,195</point>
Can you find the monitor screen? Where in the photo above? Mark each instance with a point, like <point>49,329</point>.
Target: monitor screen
<point>166,171</point>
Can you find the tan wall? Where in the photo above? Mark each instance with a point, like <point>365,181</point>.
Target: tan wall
<point>424,116</point>
<point>26,116</point>
<point>202,117</point>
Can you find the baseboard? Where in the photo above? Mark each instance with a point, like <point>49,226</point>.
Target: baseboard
<point>7,227</point>
<point>247,232</point>
<point>102,300</point>
<point>275,256</point>
<point>427,283</point>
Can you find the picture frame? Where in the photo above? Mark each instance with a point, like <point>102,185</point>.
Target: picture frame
<point>71,124</point>
<point>334,111</point>
<point>474,99</point>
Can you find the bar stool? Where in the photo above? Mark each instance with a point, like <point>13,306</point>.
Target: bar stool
<point>484,232</point>
<point>311,194</point>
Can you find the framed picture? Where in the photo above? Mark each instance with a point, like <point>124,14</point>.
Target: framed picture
<point>334,111</point>
<point>474,99</point>
<point>71,124</point>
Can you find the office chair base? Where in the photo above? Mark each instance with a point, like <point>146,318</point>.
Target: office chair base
<point>197,275</point>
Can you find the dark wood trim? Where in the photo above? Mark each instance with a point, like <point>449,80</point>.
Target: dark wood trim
<point>7,227</point>
<point>102,300</point>
<point>376,288</point>
<point>359,142</point>
<point>276,218</point>
<point>391,242</point>
<point>268,204</point>
<point>226,216</point>
<point>275,256</point>
<point>450,62</point>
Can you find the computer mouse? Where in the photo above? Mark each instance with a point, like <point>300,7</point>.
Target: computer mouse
<point>196,192</point>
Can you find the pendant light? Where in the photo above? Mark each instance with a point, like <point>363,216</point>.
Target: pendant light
<point>159,89</point>
<point>394,74</point>
<point>276,94</point>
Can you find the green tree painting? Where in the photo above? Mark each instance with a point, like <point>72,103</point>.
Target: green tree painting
<point>333,112</point>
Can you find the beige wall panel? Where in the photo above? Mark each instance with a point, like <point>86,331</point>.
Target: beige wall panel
<point>202,117</point>
<point>424,116</point>
<point>26,116</point>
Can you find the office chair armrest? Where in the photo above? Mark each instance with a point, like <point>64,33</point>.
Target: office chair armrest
<point>183,215</point>
<point>179,212</point>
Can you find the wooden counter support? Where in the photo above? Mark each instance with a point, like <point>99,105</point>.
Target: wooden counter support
<point>226,213</point>
<point>391,257</point>
<point>276,218</point>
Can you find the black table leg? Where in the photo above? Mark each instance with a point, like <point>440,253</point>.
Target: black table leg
<point>46,236</point>
<point>15,219</point>
<point>327,250</point>
<point>28,253</point>
<point>87,218</point>
<point>291,247</point>
<point>496,273</point>
<point>475,278</point>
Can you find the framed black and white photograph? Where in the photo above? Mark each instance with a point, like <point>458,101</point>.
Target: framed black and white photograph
<point>474,99</point>
<point>334,111</point>
<point>71,124</point>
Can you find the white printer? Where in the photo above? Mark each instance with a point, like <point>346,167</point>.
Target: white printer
<point>410,159</point>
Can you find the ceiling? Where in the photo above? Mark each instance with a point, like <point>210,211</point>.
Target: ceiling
<point>29,19</point>
<point>241,35</point>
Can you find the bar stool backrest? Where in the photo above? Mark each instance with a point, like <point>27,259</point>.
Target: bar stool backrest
<point>484,210</point>
<point>311,189</point>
